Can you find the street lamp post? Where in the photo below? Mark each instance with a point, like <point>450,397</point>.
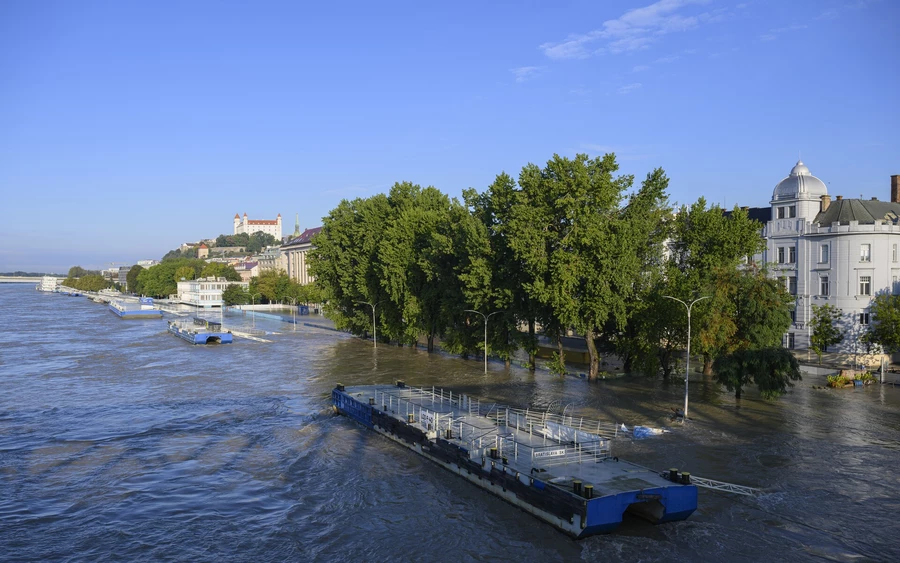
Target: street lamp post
<point>687,363</point>
<point>374,327</point>
<point>294,311</point>
<point>485,332</point>
<point>253,296</point>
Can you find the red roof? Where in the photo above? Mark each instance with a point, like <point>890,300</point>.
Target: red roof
<point>262,222</point>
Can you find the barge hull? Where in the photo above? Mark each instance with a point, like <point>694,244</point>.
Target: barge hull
<point>573,514</point>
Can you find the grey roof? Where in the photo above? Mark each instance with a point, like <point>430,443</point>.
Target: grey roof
<point>800,183</point>
<point>304,238</point>
<point>866,211</point>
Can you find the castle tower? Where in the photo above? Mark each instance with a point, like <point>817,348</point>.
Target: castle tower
<point>237,221</point>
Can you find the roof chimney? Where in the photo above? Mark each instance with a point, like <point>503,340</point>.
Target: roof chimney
<point>895,188</point>
<point>826,201</point>
<point>839,198</point>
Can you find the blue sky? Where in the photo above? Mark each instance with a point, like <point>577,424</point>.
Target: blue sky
<point>127,128</point>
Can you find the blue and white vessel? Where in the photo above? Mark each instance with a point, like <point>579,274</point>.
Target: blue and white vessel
<point>143,309</point>
<point>201,331</point>
<point>559,469</point>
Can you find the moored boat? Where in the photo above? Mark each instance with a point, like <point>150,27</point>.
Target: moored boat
<point>201,331</point>
<point>557,468</point>
<point>143,309</point>
<point>48,284</point>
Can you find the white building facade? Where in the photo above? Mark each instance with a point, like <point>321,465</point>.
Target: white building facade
<point>296,252</point>
<point>841,252</point>
<point>205,292</point>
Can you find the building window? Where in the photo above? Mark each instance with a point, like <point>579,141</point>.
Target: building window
<point>793,315</point>
<point>789,341</point>
<point>823,285</point>
<point>792,286</point>
<point>895,287</point>
<point>865,253</point>
<point>823,257</point>
<point>864,319</point>
<point>894,253</point>
<point>787,254</point>
<point>865,285</point>
<point>787,212</point>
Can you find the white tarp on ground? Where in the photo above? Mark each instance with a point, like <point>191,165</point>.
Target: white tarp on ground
<point>563,433</point>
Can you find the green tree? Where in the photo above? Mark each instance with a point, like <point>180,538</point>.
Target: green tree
<point>88,282</point>
<point>884,328</point>
<point>344,262</point>
<point>496,278</point>
<point>825,331</point>
<point>219,270</point>
<point>185,272</point>
<point>707,248</point>
<point>131,279</point>
<point>76,272</point>
<point>235,295</point>
<point>773,370</point>
<point>582,247</point>
<point>160,280</point>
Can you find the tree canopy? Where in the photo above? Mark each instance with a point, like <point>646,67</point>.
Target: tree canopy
<point>884,326</point>
<point>773,370</point>
<point>568,246</point>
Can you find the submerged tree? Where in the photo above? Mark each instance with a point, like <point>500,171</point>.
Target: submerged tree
<point>773,370</point>
<point>825,331</point>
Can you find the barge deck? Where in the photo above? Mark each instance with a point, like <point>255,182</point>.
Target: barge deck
<point>560,469</point>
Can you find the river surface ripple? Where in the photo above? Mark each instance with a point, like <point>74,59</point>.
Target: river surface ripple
<point>120,442</point>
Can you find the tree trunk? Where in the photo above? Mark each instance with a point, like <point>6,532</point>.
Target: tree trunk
<point>665,360</point>
<point>430,343</point>
<point>531,345</point>
<point>560,351</point>
<point>737,393</point>
<point>707,365</point>
<point>507,362</point>
<point>594,369</point>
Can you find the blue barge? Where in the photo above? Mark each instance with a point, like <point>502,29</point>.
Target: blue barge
<point>200,331</point>
<point>143,309</point>
<point>559,469</point>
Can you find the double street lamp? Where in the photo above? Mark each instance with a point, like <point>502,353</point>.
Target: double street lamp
<point>485,317</point>
<point>253,297</point>
<point>687,363</point>
<point>374,328</point>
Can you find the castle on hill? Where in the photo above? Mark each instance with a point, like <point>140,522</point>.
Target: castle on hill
<point>250,226</point>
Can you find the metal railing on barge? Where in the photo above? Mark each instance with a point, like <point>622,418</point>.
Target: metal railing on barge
<point>492,429</point>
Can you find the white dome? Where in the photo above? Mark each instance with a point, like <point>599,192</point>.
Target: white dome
<point>800,185</point>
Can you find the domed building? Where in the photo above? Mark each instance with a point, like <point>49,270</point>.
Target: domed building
<point>840,252</point>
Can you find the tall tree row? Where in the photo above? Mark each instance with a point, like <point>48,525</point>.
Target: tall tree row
<point>572,246</point>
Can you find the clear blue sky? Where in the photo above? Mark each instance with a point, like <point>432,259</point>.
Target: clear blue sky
<point>127,128</point>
